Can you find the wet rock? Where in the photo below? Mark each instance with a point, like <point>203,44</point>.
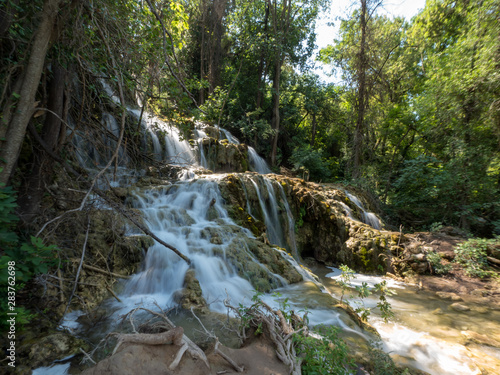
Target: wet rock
<point>476,338</point>
<point>53,347</point>
<point>438,311</point>
<point>191,295</point>
<point>459,307</point>
<point>449,296</point>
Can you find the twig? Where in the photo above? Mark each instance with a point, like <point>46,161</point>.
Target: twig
<point>216,348</point>
<point>107,273</point>
<point>87,356</point>
<point>79,266</point>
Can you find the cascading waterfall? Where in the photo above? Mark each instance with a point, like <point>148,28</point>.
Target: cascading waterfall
<point>189,216</point>
<point>366,217</point>
<point>269,207</point>
<point>200,134</point>
<point>257,163</point>
<point>176,151</point>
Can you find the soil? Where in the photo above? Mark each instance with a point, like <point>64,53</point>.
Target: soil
<point>257,357</point>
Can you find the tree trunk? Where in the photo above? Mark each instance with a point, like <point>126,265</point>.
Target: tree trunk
<point>314,126</point>
<point>260,71</point>
<point>361,102</point>
<point>216,32</point>
<point>32,190</point>
<point>275,122</point>
<point>33,71</point>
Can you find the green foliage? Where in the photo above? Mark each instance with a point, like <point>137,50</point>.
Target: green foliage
<point>437,265</point>
<point>472,254</point>
<point>383,304</point>
<point>21,261</point>
<point>363,291</point>
<point>345,278</point>
<point>311,160</point>
<point>382,363</point>
<point>324,356</point>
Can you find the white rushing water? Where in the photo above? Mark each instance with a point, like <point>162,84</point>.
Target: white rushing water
<point>183,215</point>
<point>366,217</point>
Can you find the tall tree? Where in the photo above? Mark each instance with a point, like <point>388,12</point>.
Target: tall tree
<point>15,127</point>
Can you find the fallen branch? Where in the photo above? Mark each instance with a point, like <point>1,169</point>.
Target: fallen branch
<point>173,336</point>
<point>193,349</point>
<point>104,272</point>
<point>79,267</point>
<point>493,260</point>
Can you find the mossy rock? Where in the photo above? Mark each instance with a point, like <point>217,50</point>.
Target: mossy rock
<point>53,347</point>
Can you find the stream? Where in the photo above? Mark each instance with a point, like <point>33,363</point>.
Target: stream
<point>190,215</point>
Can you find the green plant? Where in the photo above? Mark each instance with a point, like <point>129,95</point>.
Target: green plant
<point>438,267</point>
<point>325,355</point>
<point>472,255</point>
<point>436,227</point>
<point>383,304</point>
<point>382,363</point>
<point>363,291</point>
<point>345,278</point>
<point>21,260</point>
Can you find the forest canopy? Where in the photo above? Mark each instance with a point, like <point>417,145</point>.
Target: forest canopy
<point>416,119</point>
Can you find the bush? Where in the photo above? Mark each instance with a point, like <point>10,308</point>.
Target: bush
<point>438,267</point>
<point>307,159</point>
<point>21,260</point>
<point>472,255</point>
<point>324,356</point>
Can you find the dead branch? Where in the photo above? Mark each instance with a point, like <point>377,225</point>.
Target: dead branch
<point>104,272</point>
<point>172,336</point>
<point>79,267</point>
<point>280,331</point>
<point>193,349</point>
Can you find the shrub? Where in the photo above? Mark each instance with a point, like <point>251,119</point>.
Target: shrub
<point>472,255</point>
<point>324,356</point>
<point>438,267</point>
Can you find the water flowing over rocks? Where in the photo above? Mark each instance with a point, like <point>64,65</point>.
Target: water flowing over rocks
<point>242,229</point>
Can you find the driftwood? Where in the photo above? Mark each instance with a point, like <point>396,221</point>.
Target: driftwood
<point>187,345</point>
<point>279,330</point>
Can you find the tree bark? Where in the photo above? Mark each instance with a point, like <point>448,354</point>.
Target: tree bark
<point>314,126</point>
<point>275,122</point>
<point>33,188</point>
<point>24,110</point>
<point>361,102</point>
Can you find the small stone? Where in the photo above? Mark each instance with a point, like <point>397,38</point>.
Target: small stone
<point>448,295</point>
<point>438,311</point>
<point>459,307</point>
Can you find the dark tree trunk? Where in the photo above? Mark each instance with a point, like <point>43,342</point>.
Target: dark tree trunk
<point>32,190</point>
<point>361,100</point>
<point>17,127</point>
<point>314,126</point>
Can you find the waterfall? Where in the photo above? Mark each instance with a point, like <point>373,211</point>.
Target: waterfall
<point>366,217</point>
<point>291,224</point>
<point>177,151</point>
<point>200,134</point>
<point>189,216</point>
<point>269,207</point>
<point>257,164</point>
